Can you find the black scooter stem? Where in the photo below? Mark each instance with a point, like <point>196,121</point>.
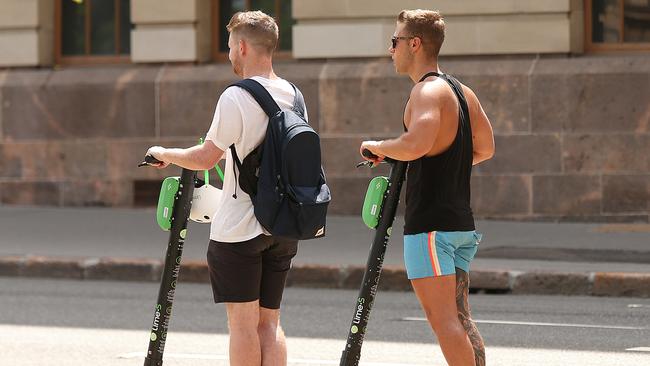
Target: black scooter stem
<point>352,351</point>
<point>177,233</point>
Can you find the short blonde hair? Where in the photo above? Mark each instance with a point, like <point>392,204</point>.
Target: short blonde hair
<point>428,25</point>
<point>256,27</point>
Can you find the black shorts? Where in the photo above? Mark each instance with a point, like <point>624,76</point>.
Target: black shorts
<point>250,270</point>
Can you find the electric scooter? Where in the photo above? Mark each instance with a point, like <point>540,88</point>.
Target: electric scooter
<point>175,202</point>
<point>380,206</point>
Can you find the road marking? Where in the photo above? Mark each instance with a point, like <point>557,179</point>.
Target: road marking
<point>622,228</point>
<point>195,356</point>
<point>639,349</point>
<point>506,322</point>
<point>637,306</point>
<point>302,361</point>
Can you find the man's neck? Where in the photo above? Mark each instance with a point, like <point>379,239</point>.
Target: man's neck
<point>420,69</point>
<point>263,68</point>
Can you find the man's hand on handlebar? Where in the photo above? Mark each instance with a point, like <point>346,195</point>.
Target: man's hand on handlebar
<point>156,153</point>
<point>371,146</point>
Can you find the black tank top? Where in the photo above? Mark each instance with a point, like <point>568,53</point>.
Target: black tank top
<point>438,187</point>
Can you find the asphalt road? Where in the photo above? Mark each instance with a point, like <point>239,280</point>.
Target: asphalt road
<point>54,322</point>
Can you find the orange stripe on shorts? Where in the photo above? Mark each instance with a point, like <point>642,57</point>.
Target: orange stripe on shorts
<point>433,255</point>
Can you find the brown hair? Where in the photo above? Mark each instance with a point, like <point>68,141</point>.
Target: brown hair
<point>256,27</point>
<point>428,25</point>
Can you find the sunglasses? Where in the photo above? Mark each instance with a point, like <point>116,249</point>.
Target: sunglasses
<point>394,40</point>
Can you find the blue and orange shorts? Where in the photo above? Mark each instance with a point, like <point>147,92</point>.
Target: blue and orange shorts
<point>439,253</point>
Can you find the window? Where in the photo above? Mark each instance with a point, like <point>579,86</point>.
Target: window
<point>617,25</point>
<point>223,10</point>
<point>92,31</point>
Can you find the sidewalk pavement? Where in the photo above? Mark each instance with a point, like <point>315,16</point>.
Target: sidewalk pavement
<point>514,257</point>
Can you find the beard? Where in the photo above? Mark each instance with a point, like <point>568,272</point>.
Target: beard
<point>237,68</point>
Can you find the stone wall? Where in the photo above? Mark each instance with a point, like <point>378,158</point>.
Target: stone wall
<point>572,134</point>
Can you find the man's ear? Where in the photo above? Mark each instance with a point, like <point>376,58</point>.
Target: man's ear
<point>417,43</point>
<point>243,47</point>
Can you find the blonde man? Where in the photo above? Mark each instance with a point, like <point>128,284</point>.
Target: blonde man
<point>248,267</point>
<point>447,132</point>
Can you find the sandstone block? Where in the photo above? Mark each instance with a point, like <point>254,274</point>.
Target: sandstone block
<point>79,103</point>
<point>570,195</point>
<point>524,154</point>
<point>188,98</point>
<point>626,193</point>
<point>194,271</point>
<point>552,283</point>
<point>501,196</point>
<point>489,280</point>
<point>37,266</point>
<point>622,284</point>
<point>610,153</point>
<point>123,269</point>
<point>314,276</point>
<point>12,266</point>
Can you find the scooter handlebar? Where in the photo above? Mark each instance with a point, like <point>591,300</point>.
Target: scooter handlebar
<point>149,160</point>
<point>370,155</point>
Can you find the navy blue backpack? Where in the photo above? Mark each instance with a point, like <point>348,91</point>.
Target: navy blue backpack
<point>284,175</point>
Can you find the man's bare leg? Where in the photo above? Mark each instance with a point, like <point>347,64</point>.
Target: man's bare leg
<point>272,341</point>
<point>243,322</point>
<point>437,296</point>
<point>465,316</point>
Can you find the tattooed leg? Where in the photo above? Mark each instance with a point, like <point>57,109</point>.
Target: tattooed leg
<point>465,317</point>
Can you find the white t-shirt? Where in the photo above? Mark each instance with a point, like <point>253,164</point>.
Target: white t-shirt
<point>240,120</point>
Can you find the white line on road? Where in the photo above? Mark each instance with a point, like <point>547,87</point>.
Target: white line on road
<point>639,349</point>
<point>506,322</point>
<point>637,306</point>
<point>302,361</point>
<point>195,356</point>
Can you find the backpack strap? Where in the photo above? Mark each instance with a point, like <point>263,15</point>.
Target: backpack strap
<point>270,107</point>
<point>298,102</point>
<point>247,177</point>
<point>261,95</point>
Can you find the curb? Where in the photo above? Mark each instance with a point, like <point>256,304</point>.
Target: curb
<point>393,278</point>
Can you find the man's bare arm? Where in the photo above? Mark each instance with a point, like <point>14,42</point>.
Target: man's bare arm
<point>422,131</point>
<point>482,134</point>
<point>199,157</point>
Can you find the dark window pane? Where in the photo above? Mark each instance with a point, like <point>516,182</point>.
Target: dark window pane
<point>286,22</point>
<point>125,27</point>
<point>637,21</point>
<point>267,6</point>
<point>72,27</point>
<point>102,33</point>
<point>229,7</point>
<point>606,20</point>
<point>226,10</point>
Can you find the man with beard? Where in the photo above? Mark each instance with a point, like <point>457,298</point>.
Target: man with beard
<point>248,267</point>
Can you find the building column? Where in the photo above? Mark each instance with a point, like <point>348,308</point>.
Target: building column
<point>474,27</point>
<point>26,32</point>
<point>170,30</point>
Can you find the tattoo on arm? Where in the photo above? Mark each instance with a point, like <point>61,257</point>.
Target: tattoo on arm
<point>465,317</point>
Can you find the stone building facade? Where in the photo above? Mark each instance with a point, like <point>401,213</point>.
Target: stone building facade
<point>572,124</point>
